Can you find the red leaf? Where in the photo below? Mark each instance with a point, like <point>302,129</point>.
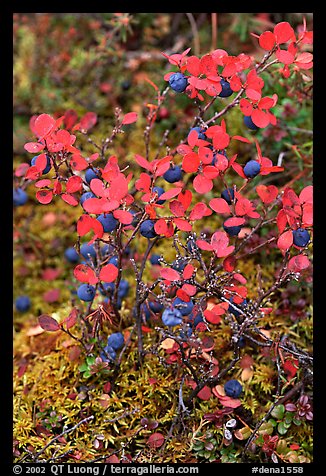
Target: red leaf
<point>44,196</point>
<point>182,224</point>
<point>298,263</point>
<point>21,169</point>
<point>33,147</point>
<point>203,245</point>
<point>130,117</point>
<point>192,138</point>
<point>242,139</point>
<point>189,289</point>
<point>155,440</point>
<point>188,271</point>
<point>52,295</point>
<point>173,192</point>
<point>193,65</point>
<point>202,184</point>
<point>78,162</point>
<point>283,32</point>
<point>87,223</point>
<point>161,227</point>
<point>221,140</point>
<point>170,274</point>
<point>71,320</point>
<point>43,125</point>
<point>285,240</point>
<point>238,169</point>
<point>284,56</point>
<point>306,195</point>
<point>260,118</point>
<point>109,273</point>
<point>219,205</point>
<point>95,205</point>
<point>48,323</point>
<point>190,162</point>
<point>118,187</point>
<point>88,120</point>
<point>267,40</point>
<point>185,198</point>
<point>74,184</point>
<point>70,118</point>
<point>210,172</point>
<point>199,211</point>
<point>267,193</point>
<point>70,199</point>
<point>245,107</point>
<point>253,94</point>
<point>176,208</point>
<point>85,274</point>
<point>229,264</point>
<point>205,393</point>
<point>123,216</point>
<point>43,183</point>
<point>234,221</point>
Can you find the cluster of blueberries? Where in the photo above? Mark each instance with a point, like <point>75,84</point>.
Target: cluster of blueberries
<point>178,82</point>
<point>115,342</point>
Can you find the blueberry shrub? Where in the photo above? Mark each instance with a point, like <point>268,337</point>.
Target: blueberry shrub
<point>163,257</point>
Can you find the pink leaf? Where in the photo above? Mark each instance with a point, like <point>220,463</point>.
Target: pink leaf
<point>219,205</point>
<point>85,274</point>
<point>130,117</point>
<point>108,273</point>
<point>285,240</point>
<point>170,274</point>
<point>48,323</point>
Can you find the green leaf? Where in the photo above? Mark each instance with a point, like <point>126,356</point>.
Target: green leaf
<point>278,412</point>
<point>281,428</point>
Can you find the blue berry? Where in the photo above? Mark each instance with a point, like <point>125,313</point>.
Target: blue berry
<point>156,306</point>
<point>222,152</point>
<point>228,195</point>
<point>108,222</point>
<point>147,229</point>
<point>48,163</point>
<point>108,288</point>
<point>108,354</point>
<point>173,174</point>
<point>233,388</point>
<point>90,174</point>
<point>106,249</point>
<point>116,340</point>
<point>144,310</point>
<point>86,250</point>
<point>186,333</point>
<point>195,319</point>
<point>171,317</point>
<point>301,237</point>
<point>154,259</point>
<point>19,196</point>
<point>192,246</point>
<point>86,292</point>
<point>179,264</point>
<point>249,123</point>
<point>251,169</point>
<point>114,260</point>
<point>184,307</point>
<point>233,310</point>
<point>200,131</point>
<point>232,230</point>
<point>86,196</point>
<point>23,303</point>
<point>123,288</point>
<point>226,89</point>
<point>178,82</point>
<point>72,255</point>
<point>159,191</point>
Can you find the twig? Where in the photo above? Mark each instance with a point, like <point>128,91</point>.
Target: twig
<point>194,33</point>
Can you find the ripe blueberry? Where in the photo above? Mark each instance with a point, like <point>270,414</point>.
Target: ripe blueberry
<point>233,388</point>
<point>184,307</point>
<point>108,222</point>
<point>147,229</point>
<point>301,237</point>
<point>156,306</point>
<point>228,195</point>
<point>108,354</point>
<point>86,250</point>
<point>159,191</point>
<point>90,174</point>
<point>48,163</point>
<point>72,255</point>
<point>171,317</point>
<point>86,196</point>
<point>200,131</point>
<point>173,174</point>
<point>86,292</point>
<point>249,123</point>
<point>154,259</point>
<point>114,260</point>
<point>251,169</point>
<point>116,340</point>
<point>179,264</point>
<point>23,303</point>
<point>19,196</point>
<point>226,89</point>
<point>232,230</point>
<point>232,308</point>
<point>178,82</point>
